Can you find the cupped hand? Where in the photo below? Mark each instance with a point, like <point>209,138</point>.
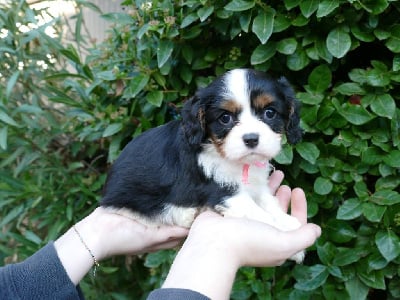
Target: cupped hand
<point>115,234</point>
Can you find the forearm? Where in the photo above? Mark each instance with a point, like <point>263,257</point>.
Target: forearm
<point>72,252</point>
<point>207,269</point>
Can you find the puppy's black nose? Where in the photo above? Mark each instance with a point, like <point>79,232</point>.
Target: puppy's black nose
<point>251,139</point>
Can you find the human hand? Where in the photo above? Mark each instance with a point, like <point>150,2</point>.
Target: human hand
<point>250,243</point>
<point>218,246</point>
<point>112,234</point>
<point>103,234</point>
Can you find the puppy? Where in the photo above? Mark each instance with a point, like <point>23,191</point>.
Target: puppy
<point>216,157</point>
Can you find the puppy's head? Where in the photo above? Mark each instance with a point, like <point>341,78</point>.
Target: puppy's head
<point>243,115</point>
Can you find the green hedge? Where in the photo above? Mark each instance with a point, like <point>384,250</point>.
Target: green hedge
<point>61,127</point>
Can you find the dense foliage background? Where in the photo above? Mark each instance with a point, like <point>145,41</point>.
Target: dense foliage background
<point>67,107</point>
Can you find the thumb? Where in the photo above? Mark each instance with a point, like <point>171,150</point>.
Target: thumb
<point>303,237</point>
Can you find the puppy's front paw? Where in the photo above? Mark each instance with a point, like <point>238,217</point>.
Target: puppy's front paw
<point>288,223</point>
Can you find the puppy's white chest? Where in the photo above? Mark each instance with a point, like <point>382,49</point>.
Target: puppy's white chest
<point>248,176</point>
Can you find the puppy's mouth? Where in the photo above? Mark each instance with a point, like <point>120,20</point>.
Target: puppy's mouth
<point>254,157</point>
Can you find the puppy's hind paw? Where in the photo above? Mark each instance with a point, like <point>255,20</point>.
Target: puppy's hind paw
<point>298,257</point>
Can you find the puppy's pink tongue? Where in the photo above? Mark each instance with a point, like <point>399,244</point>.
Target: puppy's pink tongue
<point>245,174</point>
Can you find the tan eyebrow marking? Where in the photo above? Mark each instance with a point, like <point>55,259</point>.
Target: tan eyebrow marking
<point>261,101</point>
<point>231,106</point>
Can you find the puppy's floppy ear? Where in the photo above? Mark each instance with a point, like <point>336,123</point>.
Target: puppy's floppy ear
<point>193,121</point>
<point>293,130</point>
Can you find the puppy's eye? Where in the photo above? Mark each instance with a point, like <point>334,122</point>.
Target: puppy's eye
<point>269,113</point>
<point>226,119</point>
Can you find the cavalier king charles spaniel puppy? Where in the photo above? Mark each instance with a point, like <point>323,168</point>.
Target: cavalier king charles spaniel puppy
<point>216,157</point>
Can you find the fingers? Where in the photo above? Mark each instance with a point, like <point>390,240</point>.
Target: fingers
<point>168,233</point>
<point>299,205</point>
<point>275,180</point>
<point>283,194</point>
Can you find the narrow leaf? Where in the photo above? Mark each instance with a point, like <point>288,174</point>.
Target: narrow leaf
<point>3,137</point>
<point>112,129</point>
<point>4,117</point>
<point>11,83</point>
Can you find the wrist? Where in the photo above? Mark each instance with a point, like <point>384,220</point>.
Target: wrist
<point>200,265</point>
<point>80,248</point>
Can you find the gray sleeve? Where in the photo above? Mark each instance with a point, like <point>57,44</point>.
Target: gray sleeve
<point>175,294</point>
<point>41,276</point>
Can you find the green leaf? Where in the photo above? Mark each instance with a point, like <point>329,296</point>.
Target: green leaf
<point>338,42</point>
<point>244,20</point>
<point>289,4</point>
<point>112,129</point>
<point>164,52</point>
<point>308,7</point>
<point>239,5</point>
<point>287,46</point>
<point>189,19</point>
<point>373,212</point>
<point>313,277</point>
<point>356,289</point>
<point>374,279</point>
<point>136,85</point>
<point>350,209</point>
<point>347,256</point>
<point>263,25</point>
<point>323,186</point>
<point>376,7</point>
<point>320,78</point>
<point>350,88</point>
<point>4,117</point>
<point>106,75</point>
<point>298,60</point>
<point>388,244</point>
<point>11,83</point>
<point>339,231</point>
<point>155,98</point>
<point>393,158</point>
<point>205,12</point>
<point>13,214</point>
<point>372,156</point>
<point>308,151</point>
<point>355,114</point>
<point>31,236</point>
<point>376,261</point>
<point>281,23</point>
<point>325,7</point>
<point>326,253</point>
<point>285,157</point>
<point>262,53</point>
<point>385,197</point>
<point>3,137</point>
<point>384,106</point>
<point>156,259</point>
<point>393,43</point>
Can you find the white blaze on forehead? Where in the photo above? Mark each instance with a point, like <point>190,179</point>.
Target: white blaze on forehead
<point>237,87</point>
